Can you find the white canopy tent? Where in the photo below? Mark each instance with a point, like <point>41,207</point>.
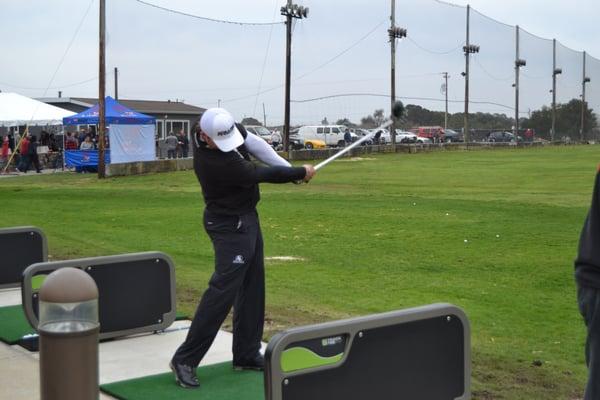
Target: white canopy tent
<point>16,110</point>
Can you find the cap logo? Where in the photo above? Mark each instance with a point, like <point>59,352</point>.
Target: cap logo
<point>226,132</point>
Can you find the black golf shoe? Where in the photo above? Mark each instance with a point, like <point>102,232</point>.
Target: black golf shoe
<point>185,376</point>
<point>256,364</point>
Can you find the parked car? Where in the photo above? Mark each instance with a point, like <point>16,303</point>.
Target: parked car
<point>259,131</point>
<point>331,135</point>
<point>296,143</point>
<point>450,136</point>
<point>501,137</point>
<point>310,144</point>
<point>360,133</point>
<point>404,137</point>
<point>431,132</point>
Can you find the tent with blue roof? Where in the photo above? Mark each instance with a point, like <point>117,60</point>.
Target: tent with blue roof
<point>130,133</point>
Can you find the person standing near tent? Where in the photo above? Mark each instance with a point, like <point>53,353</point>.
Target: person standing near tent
<point>5,148</point>
<point>171,142</point>
<point>24,155</point>
<point>230,189</point>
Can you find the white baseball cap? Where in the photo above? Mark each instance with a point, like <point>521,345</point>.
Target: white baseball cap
<point>219,125</point>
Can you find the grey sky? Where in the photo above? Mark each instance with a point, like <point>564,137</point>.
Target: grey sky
<point>162,55</point>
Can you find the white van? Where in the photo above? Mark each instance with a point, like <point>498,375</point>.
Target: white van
<point>332,135</point>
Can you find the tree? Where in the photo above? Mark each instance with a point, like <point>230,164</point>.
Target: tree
<point>346,122</point>
<point>368,122</point>
<point>250,121</point>
<point>568,121</point>
<point>324,121</point>
<point>379,116</point>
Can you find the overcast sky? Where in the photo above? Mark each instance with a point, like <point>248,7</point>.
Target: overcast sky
<point>341,50</point>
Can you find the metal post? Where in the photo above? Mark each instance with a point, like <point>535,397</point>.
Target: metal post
<point>116,83</point>
<point>583,81</point>
<point>288,72</point>
<point>446,112</point>
<point>393,73</point>
<point>466,116</point>
<point>553,130</point>
<point>516,132</point>
<point>264,116</point>
<point>101,91</point>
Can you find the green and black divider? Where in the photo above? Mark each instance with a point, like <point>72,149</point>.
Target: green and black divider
<point>418,353</point>
<point>136,291</point>
<point>20,247</point>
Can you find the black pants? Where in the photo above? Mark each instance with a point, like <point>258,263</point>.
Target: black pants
<point>589,306</point>
<point>238,281</point>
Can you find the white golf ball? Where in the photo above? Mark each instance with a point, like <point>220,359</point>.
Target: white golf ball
<point>414,204</point>
<point>466,241</point>
<point>447,214</point>
<point>497,236</point>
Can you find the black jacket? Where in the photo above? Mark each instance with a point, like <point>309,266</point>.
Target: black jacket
<point>230,180</point>
<point>587,264</point>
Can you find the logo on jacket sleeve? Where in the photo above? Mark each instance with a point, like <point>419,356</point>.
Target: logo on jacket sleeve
<point>239,260</point>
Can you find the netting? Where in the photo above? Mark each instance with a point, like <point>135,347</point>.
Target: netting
<point>232,54</point>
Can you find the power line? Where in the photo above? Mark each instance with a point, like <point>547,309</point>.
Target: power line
<point>206,18</point>
<point>342,52</point>
<point>488,73</point>
<point>68,47</point>
<point>434,51</point>
<point>54,87</point>
<point>262,73</point>
<point>314,69</point>
<point>401,97</point>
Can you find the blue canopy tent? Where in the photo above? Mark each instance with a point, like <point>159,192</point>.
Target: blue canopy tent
<point>131,135</point>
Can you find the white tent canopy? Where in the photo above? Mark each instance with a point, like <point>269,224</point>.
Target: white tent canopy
<point>18,110</point>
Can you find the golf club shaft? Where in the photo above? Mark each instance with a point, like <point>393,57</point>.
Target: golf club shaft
<point>353,145</point>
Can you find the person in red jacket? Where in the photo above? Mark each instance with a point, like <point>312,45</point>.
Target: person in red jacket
<point>24,154</point>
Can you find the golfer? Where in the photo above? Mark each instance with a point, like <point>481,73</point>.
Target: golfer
<point>229,184</point>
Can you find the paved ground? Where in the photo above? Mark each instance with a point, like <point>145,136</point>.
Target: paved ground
<point>12,174</point>
<point>120,359</point>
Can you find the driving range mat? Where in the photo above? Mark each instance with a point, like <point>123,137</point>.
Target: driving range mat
<point>217,382</point>
<point>13,324</point>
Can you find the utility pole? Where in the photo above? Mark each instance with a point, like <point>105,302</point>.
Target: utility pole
<point>264,116</point>
<point>394,33</point>
<point>555,71</point>
<point>101,92</point>
<point>289,11</point>
<point>446,91</point>
<point>116,83</point>
<point>518,64</point>
<point>393,73</point>
<point>583,107</point>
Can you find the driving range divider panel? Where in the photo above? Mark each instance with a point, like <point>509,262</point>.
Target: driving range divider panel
<point>136,291</point>
<point>20,247</point>
<point>417,353</point>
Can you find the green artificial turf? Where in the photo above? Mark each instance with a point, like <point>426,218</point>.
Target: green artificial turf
<point>13,324</point>
<point>375,234</point>
<point>218,382</point>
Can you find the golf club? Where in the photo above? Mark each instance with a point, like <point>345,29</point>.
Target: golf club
<point>397,112</point>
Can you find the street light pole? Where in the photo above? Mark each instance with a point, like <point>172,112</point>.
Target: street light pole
<point>289,11</point>
<point>518,64</point>
<point>446,91</point>
<point>583,106</point>
<point>555,71</point>
<point>468,49</point>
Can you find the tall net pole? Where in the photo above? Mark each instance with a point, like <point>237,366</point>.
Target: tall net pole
<point>467,45</point>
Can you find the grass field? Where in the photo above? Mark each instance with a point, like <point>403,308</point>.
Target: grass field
<point>374,235</point>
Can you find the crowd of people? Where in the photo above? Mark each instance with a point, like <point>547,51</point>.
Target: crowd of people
<point>85,139</point>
